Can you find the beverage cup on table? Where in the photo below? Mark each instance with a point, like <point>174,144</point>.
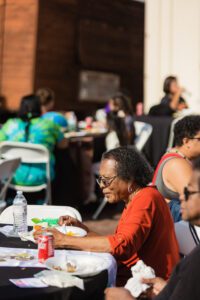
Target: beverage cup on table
<point>88,121</point>
<point>45,246</point>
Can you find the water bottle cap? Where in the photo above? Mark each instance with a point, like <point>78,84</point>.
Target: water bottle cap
<point>19,193</point>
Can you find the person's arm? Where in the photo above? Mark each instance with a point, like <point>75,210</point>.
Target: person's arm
<point>128,240</point>
<point>61,141</point>
<point>156,283</point>
<point>88,243</point>
<point>118,294</point>
<point>62,144</point>
<point>4,129</point>
<point>70,221</point>
<point>175,99</point>
<point>132,232</point>
<point>176,174</point>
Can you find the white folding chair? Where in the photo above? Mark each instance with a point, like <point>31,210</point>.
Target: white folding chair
<point>143,132</point>
<point>40,212</point>
<point>30,154</point>
<point>187,236</point>
<point>7,169</point>
<point>171,134</point>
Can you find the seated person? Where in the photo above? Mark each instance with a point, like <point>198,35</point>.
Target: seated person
<point>47,100</point>
<point>174,169</point>
<point>120,104</point>
<point>184,281</point>
<point>31,128</point>
<point>141,232</point>
<point>117,132</point>
<point>172,101</point>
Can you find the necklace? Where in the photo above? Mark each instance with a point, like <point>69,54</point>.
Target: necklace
<point>180,153</point>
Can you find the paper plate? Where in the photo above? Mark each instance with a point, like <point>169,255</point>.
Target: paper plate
<point>72,231</point>
<point>82,264</point>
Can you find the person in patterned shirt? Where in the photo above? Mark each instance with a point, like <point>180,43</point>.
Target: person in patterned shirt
<point>31,128</point>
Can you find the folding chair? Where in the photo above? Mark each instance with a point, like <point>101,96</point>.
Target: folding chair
<point>30,154</point>
<point>171,134</point>
<point>40,212</point>
<point>188,236</point>
<point>143,131</point>
<point>7,169</point>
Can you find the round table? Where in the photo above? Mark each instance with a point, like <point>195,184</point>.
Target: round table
<point>94,286</point>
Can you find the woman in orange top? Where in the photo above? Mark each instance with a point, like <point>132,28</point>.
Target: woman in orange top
<point>145,230</point>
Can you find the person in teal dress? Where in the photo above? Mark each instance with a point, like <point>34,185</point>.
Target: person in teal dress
<point>30,127</point>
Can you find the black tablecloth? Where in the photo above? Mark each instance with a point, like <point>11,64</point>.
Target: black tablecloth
<point>94,286</point>
<point>158,141</point>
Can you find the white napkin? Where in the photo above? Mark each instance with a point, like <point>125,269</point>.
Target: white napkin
<point>59,279</point>
<point>24,236</point>
<point>27,236</point>
<point>134,284</point>
<point>8,231</point>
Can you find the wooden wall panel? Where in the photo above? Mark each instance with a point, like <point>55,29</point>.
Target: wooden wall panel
<point>48,42</point>
<point>103,35</point>
<point>18,54</point>
<point>2,18</point>
<point>56,50</point>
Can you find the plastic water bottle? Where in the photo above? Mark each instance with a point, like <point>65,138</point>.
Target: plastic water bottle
<point>72,122</point>
<point>20,213</point>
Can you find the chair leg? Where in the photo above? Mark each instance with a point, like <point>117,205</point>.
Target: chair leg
<point>48,200</point>
<point>99,209</point>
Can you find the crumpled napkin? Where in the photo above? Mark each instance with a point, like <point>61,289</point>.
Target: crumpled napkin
<point>27,236</point>
<point>59,279</point>
<point>24,236</point>
<point>134,284</point>
<point>8,231</point>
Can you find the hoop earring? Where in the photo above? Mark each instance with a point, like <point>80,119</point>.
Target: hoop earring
<point>130,189</point>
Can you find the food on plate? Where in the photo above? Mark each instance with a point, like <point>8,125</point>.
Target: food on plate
<point>2,259</point>
<point>23,256</point>
<point>71,233</point>
<point>37,227</point>
<point>70,267</point>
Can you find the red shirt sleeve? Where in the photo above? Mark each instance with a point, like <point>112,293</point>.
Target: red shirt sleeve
<point>133,229</point>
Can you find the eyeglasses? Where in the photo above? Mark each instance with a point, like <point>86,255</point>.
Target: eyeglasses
<point>106,181</point>
<point>187,193</point>
<point>195,138</point>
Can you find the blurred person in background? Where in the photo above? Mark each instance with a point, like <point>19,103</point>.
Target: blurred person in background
<point>184,281</point>
<point>30,127</point>
<point>172,101</point>
<point>125,110</point>
<point>119,104</point>
<point>118,135</point>
<point>141,232</point>
<point>47,100</point>
<point>174,169</point>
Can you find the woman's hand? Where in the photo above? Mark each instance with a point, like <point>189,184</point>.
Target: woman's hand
<point>156,283</point>
<point>70,221</point>
<point>58,236</point>
<point>118,294</point>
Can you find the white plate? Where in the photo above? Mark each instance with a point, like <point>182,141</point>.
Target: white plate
<point>86,264</point>
<point>72,230</point>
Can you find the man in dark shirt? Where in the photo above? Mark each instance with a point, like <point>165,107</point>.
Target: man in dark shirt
<point>184,281</point>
